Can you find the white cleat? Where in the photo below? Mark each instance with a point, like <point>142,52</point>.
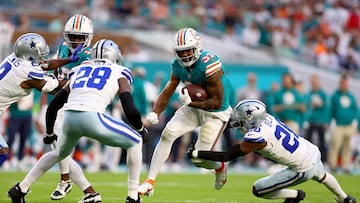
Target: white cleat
<point>91,198</point>
<point>61,190</point>
<point>147,188</point>
<point>220,176</point>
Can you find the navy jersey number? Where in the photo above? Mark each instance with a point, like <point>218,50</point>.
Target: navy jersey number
<point>92,77</point>
<point>4,69</point>
<point>289,139</point>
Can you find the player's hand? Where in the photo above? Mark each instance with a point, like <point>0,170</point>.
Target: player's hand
<point>153,118</point>
<point>49,139</point>
<point>75,55</point>
<point>191,149</point>
<point>184,96</point>
<point>144,134</point>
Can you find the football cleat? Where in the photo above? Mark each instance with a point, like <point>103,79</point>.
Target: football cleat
<point>91,198</point>
<point>300,196</point>
<point>147,188</point>
<point>61,190</point>
<point>131,200</point>
<point>348,199</point>
<point>220,176</point>
<point>16,195</point>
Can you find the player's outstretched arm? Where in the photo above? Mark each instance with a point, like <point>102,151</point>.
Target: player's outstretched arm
<point>56,63</point>
<point>131,112</point>
<point>234,152</point>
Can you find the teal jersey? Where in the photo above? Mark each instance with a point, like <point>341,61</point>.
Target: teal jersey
<point>343,108</point>
<point>64,52</point>
<point>288,99</point>
<point>317,114</point>
<point>207,64</point>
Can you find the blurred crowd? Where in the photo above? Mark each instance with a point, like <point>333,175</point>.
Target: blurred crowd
<point>325,33</point>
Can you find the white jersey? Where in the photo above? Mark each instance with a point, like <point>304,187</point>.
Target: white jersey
<point>94,85</point>
<point>14,71</point>
<point>283,145</point>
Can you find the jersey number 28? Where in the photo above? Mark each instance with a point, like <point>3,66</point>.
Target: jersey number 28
<point>92,77</point>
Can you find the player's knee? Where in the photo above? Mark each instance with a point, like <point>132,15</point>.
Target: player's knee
<point>168,135</point>
<point>255,192</point>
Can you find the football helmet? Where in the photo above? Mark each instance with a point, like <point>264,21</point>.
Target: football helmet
<point>32,47</point>
<point>248,114</point>
<point>78,30</point>
<point>187,39</point>
<point>106,49</point>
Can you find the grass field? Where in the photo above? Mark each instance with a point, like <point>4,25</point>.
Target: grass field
<point>173,188</point>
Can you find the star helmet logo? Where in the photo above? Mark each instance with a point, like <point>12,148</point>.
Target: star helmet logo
<point>32,44</point>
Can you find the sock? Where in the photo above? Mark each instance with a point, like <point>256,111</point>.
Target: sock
<point>64,166</point>
<point>77,175</point>
<point>134,162</point>
<point>44,163</point>
<point>161,154</point>
<point>333,185</point>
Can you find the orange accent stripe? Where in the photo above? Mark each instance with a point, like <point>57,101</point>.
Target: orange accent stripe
<point>181,36</point>
<point>212,65</point>
<point>219,134</point>
<point>77,21</point>
<point>213,71</point>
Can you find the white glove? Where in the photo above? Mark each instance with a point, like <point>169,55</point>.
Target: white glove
<point>185,97</point>
<point>152,117</point>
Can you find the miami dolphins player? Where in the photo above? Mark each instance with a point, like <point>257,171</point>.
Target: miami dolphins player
<point>272,139</point>
<point>78,31</point>
<point>192,65</point>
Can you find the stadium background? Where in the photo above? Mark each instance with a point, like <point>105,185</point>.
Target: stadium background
<point>145,29</point>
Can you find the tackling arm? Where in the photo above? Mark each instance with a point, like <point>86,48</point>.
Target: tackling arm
<point>237,150</point>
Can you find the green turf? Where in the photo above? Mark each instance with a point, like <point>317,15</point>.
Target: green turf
<point>172,188</point>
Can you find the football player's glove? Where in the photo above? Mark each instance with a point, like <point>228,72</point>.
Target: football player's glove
<point>49,139</point>
<point>144,134</point>
<point>75,55</point>
<point>189,152</point>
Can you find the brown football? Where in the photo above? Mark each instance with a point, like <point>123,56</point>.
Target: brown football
<point>196,92</point>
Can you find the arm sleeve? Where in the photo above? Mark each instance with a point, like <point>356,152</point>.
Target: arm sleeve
<point>231,154</point>
<point>51,113</point>
<point>132,114</point>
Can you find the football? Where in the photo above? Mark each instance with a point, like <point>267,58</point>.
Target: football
<point>196,92</point>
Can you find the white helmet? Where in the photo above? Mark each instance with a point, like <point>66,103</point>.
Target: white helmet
<point>106,49</point>
<point>32,47</point>
<point>185,39</point>
<point>78,27</point>
<point>248,114</point>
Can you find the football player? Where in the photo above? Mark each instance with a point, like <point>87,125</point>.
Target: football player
<point>22,71</point>
<point>78,31</point>
<point>91,88</point>
<point>192,65</point>
<point>272,139</point>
